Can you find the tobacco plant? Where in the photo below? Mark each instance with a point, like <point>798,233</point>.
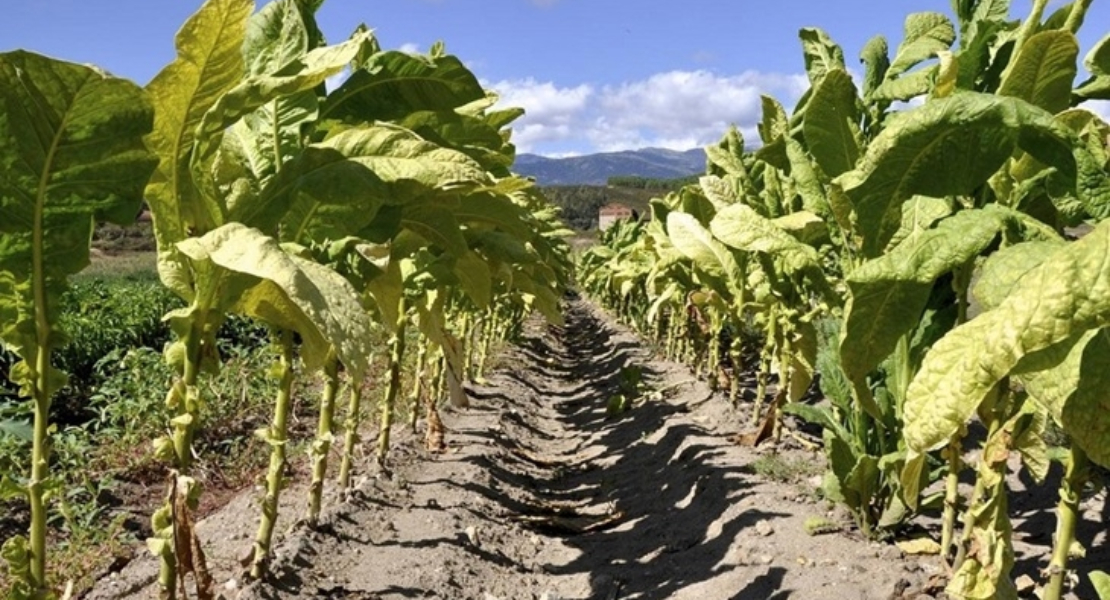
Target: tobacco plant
<point>71,138</point>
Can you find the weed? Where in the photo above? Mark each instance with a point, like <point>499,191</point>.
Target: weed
<point>785,469</point>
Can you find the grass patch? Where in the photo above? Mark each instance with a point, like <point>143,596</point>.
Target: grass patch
<point>786,468</point>
<point>127,265</point>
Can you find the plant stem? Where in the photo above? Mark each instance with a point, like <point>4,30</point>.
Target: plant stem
<point>40,461</point>
<point>951,494</point>
<point>184,426</point>
<point>350,425</point>
<point>1075,17</point>
<point>322,445</point>
<point>1066,515</point>
<point>188,406</point>
<point>1028,27</point>
<point>396,355</point>
<point>418,383</point>
<point>276,438</point>
<point>764,371</point>
<point>487,339</point>
<point>737,369</point>
<point>466,331</point>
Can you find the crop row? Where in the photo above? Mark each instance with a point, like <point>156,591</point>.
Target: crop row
<point>384,204</point>
<point>912,240</point>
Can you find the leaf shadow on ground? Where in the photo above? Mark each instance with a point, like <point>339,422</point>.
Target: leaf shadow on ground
<point>645,500</point>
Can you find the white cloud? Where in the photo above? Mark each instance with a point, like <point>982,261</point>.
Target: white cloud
<point>675,109</point>
<point>1099,107</point>
<point>409,48</point>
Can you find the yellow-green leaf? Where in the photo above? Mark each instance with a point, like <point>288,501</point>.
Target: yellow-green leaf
<point>269,284</point>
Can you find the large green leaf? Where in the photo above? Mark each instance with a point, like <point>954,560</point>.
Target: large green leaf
<point>1086,414</point>
<point>71,154</point>
<point>436,225</point>
<point>1063,296</point>
<point>1051,375</point>
<point>908,86</point>
<point>967,137</point>
<point>471,135</point>
<point>1101,582</point>
<point>475,278</point>
<point>926,34</point>
<point>278,34</point>
<point>806,179</point>
<point>694,241</point>
<point>726,157</point>
<point>1043,71</point>
<point>394,84</point>
<point>1097,62</point>
<point>1003,270</point>
<point>774,124</point>
<point>888,294</point>
<point>742,228</point>
<point>271,285</point>
<point>821,53</point>
<point>918,216</point>
<point>831,125</point>
<point>876,62</point>
<point>209,62</point>
<point>265,92</point>
<point>335,188</point>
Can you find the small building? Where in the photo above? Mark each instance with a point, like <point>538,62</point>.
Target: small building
<point>613,212</point>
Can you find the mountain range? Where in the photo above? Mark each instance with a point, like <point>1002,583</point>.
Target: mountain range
<point>596,169</point>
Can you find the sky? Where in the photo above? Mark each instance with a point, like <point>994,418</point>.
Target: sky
<point>593,75</point>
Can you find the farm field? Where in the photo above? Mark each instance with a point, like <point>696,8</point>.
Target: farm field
<point>543,493</point>
<point>285,323</point>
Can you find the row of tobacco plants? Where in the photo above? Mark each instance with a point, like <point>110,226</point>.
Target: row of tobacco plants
<point>384,204</point>
<point>910,238</point>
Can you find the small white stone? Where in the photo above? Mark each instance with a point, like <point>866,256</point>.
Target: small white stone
<point>764,528</point>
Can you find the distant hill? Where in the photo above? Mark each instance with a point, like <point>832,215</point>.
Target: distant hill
<point>596,169</point>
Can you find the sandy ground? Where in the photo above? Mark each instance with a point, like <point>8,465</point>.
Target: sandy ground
<point>543,495</point>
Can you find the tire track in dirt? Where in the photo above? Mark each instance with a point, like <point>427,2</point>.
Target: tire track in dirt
<point>543,494</point>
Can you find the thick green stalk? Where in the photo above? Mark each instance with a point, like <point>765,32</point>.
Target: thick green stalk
<point>187,409</point>
<point>438,378</point>
<point>465,331</point>
<point>487,339</point>
<point>786,377</point>
<point>1028,28</point>
<point>1067,512</point>
<point>736,358</point>
<point>978,499</point>
<point>396,355</point>
<point>351,437</point>
<point>40,449</point>
<point>322,446</point>
<point>960,284</point>
<point>40,462</point>
<point>715,351</point>
<point>417,384</point>
<point>951,495</point>
<point>188,403</point>
<point>765,359</point>
<point>672,335</point>
<point>276,437</point>
<point>1075,17</point>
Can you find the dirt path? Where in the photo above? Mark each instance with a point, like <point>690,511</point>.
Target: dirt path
<point>544,495</point>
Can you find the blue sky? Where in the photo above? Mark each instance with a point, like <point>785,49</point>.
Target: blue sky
<point>594,75</point>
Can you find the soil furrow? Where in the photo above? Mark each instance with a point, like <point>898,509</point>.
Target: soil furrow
<point>544,493</point>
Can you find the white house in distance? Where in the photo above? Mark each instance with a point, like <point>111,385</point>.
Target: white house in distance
<point>611,213</point>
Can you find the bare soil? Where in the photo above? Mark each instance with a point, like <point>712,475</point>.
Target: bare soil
<point>545,495</point>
